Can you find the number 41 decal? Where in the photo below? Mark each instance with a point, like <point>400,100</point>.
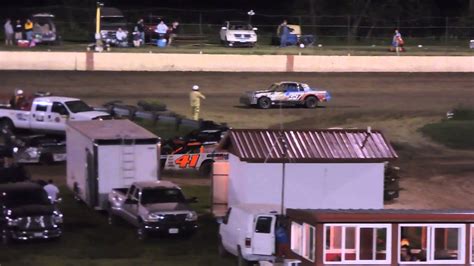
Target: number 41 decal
<point>187,161</point>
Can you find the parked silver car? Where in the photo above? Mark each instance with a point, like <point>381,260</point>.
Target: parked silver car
<point>40,149</point>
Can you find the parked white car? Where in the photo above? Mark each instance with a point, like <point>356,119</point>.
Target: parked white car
<point>238,33</point>
<point>248,232</point>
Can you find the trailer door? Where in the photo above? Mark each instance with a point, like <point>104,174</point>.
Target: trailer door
<point>263,240</point>
<point>92,186</point>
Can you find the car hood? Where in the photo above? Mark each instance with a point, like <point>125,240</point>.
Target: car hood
<point>32,210</point>
<point>167,207</point>
<point>260,91</point>
<point>88,115</point>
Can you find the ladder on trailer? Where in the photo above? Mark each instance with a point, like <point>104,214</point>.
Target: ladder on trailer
<point>128,160</point>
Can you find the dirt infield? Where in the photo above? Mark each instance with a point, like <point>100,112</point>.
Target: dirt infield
<point>398,104</point>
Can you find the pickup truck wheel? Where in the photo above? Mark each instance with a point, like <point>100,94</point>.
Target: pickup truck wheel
<point>112,218</point>
<point>241,261</point>
<point>206,168</point>
<point>6,238</point>
<point>311,102</point>
<point>264,102</point>
<point>221,250</point>
<point>141,232</point>
<point>7,124</point>
<point>46,159</point>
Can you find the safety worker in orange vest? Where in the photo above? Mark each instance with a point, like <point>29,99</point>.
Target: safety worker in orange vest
<point>195,99</point>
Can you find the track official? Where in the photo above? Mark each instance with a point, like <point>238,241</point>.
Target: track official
<point>195,100</point>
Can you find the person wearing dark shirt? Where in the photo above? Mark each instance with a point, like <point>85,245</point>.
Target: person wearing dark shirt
<point>18,31</point>
<point>284,31</point>
<point>140,28</point>
<point>172,32</point>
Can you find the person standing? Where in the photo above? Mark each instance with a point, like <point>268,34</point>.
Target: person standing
<point>172,32</point>
<point>8,32</point>
<point>18,31</point>
<point>161,29</point>
<point>52,191</point>
<point>284,31</point>
<point>397,42</point>
<point>195,99</point>
<point>29,30</point>
<point>140,28</point>
<point>282,240</point>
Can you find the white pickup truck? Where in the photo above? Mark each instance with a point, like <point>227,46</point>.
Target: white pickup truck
<point>153,207</point>
<point>49,113</point>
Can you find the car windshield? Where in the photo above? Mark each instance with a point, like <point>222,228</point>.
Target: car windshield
<point>162,195</point>
<point>25,197</point>
<point>113,21</point>
<point>239,26</point>
<point>78,106</point>
<point>273,87</point>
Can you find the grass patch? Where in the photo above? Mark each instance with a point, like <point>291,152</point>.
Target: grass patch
<point>457,134</point>
<point>89,240</point>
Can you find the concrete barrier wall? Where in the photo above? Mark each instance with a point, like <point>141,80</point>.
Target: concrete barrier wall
<point>383,64</point>
<point>83,61</point>
<point>42,61</point>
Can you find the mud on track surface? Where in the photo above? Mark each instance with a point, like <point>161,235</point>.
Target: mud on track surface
<point>397,103</point>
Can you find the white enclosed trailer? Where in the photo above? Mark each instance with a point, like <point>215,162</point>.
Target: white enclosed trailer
<point>108,154</point>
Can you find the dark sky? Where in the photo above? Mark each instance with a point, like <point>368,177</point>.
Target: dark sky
<point>439,7</point>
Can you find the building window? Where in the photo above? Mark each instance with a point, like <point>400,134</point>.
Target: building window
<point>309,242</point>
<point>303,240</point>
<point>431,243</point>
<point>472,243</point>
<point>296,238</point>
<point>357,243</point>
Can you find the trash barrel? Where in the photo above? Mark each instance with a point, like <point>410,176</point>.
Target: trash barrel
<point>161,43</point>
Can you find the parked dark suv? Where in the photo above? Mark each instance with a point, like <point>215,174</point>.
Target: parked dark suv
<point>27,213</point>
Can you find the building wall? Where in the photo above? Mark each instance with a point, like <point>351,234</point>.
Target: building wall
<point>334,185</point>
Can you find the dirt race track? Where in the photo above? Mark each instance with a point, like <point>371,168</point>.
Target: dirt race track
<point>433,176</point>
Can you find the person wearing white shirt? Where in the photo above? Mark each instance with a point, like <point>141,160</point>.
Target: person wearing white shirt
<point>52,191</point>
<point>161,29</point>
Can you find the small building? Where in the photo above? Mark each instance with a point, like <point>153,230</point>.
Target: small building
<point>381,237</point>
<point>327,168</point>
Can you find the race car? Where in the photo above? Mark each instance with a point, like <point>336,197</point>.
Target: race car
<point>193,156</point>
<point>40,149</point>
<point>285,93</point>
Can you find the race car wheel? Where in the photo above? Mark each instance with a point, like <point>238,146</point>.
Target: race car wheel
<point>264,102</point>
<point>46,159</point>
<point>206,168</point>
<point>311,102</point>
<point>142,233</point>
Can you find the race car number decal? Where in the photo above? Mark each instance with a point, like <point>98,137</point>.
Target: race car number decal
<point>187,161</point>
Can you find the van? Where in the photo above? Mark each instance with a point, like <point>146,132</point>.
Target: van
<point>111,19</point>
<point>248,232</point>
<point>44,29</point>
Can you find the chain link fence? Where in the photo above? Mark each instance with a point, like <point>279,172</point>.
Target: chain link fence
<point>78,25</point>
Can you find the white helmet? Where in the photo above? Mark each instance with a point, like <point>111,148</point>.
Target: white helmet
<point>18,92</point>
<point>195,88</point>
